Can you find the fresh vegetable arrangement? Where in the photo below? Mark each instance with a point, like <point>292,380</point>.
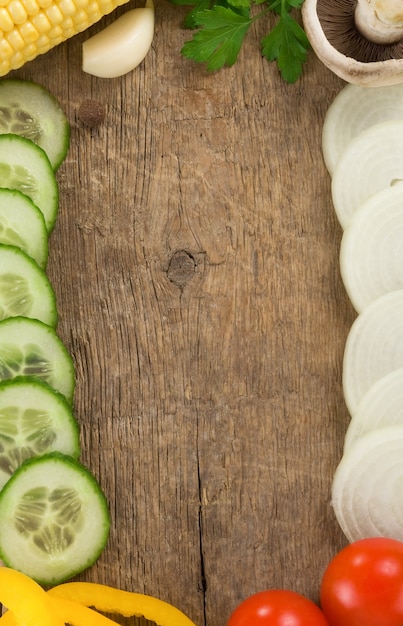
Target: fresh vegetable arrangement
<point>362,147</point>
<point>54,518</point>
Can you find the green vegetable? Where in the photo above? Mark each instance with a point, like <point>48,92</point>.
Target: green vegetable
<point>22,224</point>
<point>34,419</point>
<point>29,347</point>
<point>25,166</point>
<point>54,519</point>
<point>223,24</point>
<point>29,110</point>
<point>25,289</point>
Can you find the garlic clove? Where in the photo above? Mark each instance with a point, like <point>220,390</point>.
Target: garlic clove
<point>122,45</point>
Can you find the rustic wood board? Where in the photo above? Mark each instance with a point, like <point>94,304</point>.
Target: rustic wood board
<point>195,262</point>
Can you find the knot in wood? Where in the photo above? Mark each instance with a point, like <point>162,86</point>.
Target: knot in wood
<point>181,268</point>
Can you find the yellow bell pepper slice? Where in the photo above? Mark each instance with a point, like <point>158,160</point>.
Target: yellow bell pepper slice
<point>73,613</point>
<point>125,603</point>
<point>27,603</point>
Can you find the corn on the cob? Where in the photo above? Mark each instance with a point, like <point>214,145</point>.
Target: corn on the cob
<point>32,27</point>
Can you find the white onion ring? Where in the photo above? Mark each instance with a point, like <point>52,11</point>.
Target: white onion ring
<point>381,406</point>
<point>371,251</point>
<point>353,110</point>
<point>371,162</point>
<point>374,347</point>
<point>367,489</point>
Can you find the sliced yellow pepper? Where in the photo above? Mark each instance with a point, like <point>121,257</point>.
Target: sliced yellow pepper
<point>111,600</point>
<point>27,602</point>
<point>73,613</point>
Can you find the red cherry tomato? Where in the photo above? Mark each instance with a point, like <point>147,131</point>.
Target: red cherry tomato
<point>363,584</point>
<point>277,607</point>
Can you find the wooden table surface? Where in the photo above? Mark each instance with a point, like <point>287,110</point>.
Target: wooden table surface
<point>195,263</point>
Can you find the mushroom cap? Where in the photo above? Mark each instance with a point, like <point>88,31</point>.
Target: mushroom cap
<point>331,30</point>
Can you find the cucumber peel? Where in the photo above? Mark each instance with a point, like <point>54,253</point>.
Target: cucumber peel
<point>29,347</point>
<point>54,519</point>
<point>25,289</point>
<point>25,166</point>
<point>22,224</point>
<point>29,110</point>
<point>34,419</point>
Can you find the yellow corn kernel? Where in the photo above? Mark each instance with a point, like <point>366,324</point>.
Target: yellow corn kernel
<point>43,44</point>
<point>68,28</point>
<point>28,32</point>
<point>54,14</point>
<point>81,20</point>
<point>31,6</point>
<point>32,27</point>
<point>44,4</point>
<point>15,40</point>
<point>17,12</point>
<point>6,23</point>
<point>56,34</point>
<point>5,49</point>
<point>17,60</point>
<point>41,23</point>
<point>67,7</point>
<point>93,11</point>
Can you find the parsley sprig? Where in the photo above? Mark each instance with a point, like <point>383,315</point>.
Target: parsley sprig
<point>221,27</point>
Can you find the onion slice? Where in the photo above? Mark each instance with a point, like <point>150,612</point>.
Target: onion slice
<point>381,406</point>
<point>371,251</point>
<point>353,110</point>
<point>374,347</point>
<point>367,486</point>
<point>371,162</point>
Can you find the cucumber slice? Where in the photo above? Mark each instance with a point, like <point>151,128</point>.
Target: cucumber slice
<point>54,519</point>
<point>25,166</point>
<point>29,347</point>
<point>34,420</point>
<point>29,110</point>
<point>22,224</point>
<point>25,289</point>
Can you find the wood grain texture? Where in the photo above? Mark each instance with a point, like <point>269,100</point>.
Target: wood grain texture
<point>195,262</point>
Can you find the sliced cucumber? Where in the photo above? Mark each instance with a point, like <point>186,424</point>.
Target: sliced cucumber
<point>34,419</point>
<point>29,347</point>
<point>22,224</point>
<point>25,166</point>
<point>25,289</point>
<point>29,110</point>
<point>54,519</point>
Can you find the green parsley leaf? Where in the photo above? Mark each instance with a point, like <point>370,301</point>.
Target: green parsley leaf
<point>288,44</point>
<point>220,37</point>
<point>221,27</point>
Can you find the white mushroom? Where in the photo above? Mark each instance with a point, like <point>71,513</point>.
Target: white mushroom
<point>380,21</point>
<point>361,41</point>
